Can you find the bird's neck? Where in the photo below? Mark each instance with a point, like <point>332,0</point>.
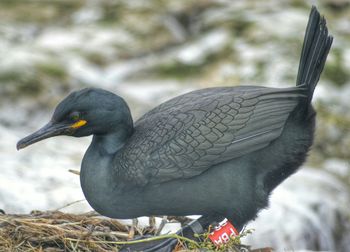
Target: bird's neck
<point>111,142</point>
<point>97,175</point>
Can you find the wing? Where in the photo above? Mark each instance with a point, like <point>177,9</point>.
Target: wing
<point>189,134</point>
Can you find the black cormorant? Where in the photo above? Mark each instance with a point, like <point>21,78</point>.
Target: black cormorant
<point>215,152</point>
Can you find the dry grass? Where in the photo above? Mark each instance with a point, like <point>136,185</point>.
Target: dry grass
<point>55,231</point>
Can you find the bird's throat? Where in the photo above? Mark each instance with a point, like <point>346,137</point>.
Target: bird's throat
<point>110,143</point>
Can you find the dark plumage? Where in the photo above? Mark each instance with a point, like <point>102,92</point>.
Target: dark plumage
<point>217,152</point>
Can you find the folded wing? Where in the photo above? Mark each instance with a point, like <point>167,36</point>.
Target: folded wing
<point>191,133</point>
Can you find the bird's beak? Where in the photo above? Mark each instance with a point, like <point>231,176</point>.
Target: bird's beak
<point>49,130</point>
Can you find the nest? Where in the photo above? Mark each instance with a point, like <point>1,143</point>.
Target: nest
<point>55,231</point>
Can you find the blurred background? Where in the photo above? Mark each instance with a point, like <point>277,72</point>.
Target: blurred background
<point>150,51</point>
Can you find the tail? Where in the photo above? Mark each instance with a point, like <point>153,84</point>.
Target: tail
<point>316,46</point>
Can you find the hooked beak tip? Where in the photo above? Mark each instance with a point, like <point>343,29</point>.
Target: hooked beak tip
<point>20,146</point>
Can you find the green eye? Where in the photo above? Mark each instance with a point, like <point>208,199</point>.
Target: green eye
<point>74,116</point>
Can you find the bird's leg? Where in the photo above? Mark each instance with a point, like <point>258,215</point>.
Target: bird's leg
<point>200,226</point>
<point>152,223</point>
<point>132,229</point>
<point>162,224</point>
<point>167,245</point>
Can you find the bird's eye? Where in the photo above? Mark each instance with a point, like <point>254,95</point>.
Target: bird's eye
<point>74,116</point>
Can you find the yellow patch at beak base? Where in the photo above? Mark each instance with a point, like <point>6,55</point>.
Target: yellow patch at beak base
<point>78,124</point>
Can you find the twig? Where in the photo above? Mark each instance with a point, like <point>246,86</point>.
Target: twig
<point>69,204</point>
<point>155,238</point>
<point>44,239</point>
<point>74,172</point>
<point>111,234</point>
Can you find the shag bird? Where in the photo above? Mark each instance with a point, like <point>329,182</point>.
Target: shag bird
<point>216,152</point>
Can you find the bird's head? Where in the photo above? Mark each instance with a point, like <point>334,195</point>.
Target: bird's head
<point>83,113</point>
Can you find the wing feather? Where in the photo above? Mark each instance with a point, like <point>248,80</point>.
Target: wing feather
<point>191,133</point>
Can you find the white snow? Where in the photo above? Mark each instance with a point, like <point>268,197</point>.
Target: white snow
<point>304,211</point>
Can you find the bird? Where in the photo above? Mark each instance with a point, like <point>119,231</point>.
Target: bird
<point>217,152</point>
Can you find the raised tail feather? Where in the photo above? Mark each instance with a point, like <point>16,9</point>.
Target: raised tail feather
<point>316,46</point>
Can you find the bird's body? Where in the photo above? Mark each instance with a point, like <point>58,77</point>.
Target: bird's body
<point>216,152</point>
<point>209,143</point>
